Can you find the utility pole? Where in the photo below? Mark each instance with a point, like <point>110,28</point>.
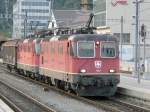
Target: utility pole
<point>137,41</point>
<point>144,51</point>
<point>25,25</point>
<point>121,36</point>
<point>137,61</point>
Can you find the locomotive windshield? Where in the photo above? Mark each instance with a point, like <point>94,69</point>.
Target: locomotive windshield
<point>108,49</point>
<point>86,49</point>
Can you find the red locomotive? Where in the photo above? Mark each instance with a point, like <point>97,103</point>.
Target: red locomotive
<point>27,57</point>
<point>87,64</point>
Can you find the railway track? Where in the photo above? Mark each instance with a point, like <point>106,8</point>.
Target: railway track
<point>10,103</point>
<point>108,104</point>
<point>21,102</point>
<point>132,107</point>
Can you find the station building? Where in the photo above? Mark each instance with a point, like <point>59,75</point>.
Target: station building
<point>108,14</point>
<point>29,16</point>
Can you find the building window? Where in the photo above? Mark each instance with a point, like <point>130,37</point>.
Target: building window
<point>100,13</point>
<point>125,39</point>
<point>36,17</point>
<point>35,3</point>
<point>99,6</point>
<point>29,24</point>
<point>35,10</point>
<point>100,20</point>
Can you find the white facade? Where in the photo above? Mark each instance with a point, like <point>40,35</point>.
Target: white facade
<point>31,15</point>
<point>111,17</point>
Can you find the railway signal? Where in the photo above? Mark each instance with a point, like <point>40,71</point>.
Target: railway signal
<point>143,35</point>
<point>143,32</point>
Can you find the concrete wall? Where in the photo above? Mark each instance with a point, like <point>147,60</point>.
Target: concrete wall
<point>128,11</point>
<point>114,14</point>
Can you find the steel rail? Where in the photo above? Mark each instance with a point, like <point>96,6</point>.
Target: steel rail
<point>129,105</point>
<point>95,103</point>
<point>10,103</point>
<point>82,99</point>
<point>39,104</point>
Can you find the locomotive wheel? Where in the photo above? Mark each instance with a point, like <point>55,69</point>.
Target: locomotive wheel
<point>53,81</point>
<point>37,77</point>
<point>67,87</point>
<point>40,78</point>
<point>49,81</point>
<point>21,72</point>
<point>18,71</point>
<point>33,76</point>
<point>24,73</point>
<point>29,74</point>
<point>9,68</point>
<point>57,83</point>
<point>46,79</point>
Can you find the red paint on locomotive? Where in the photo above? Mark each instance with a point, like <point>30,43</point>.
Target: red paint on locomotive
<point>27,58</point>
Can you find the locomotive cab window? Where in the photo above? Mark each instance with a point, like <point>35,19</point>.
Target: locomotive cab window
<point>29,48</point>
<point>108,49</point>
<point>86,49</point>
<point>20,48</point>
<point>24,48</point>
<point>37,48</point>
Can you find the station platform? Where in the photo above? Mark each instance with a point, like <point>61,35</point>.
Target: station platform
<point>1,61</point>
<point>130,86</point>
<point>4,107</point>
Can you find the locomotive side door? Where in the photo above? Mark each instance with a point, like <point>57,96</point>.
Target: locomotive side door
<point>36,52</point>
<point>67,61</point>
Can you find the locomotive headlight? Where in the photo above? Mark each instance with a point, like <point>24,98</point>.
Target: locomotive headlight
<point>97,43</point>
<point>83,71</point>
<point>112,71</point>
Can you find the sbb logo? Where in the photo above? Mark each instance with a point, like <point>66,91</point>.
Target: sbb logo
<point>98,64</point>
<point>116,2</point>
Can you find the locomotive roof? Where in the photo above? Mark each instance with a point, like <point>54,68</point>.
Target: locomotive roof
<point>31,40</point>
<point>84,37</point>
<point>56,38</point>
<point>11,42</point>
<point>100,37</point>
